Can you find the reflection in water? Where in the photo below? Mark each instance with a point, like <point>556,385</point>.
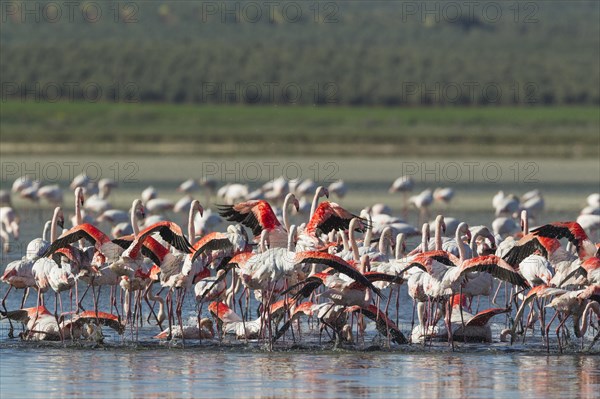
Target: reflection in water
<point>160,373</point>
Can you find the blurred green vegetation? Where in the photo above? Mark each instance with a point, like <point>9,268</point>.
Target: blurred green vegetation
<point>335,52</point>
<point>565,131</point>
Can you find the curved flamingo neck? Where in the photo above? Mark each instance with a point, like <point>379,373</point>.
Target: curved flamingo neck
<point>315,201</point>
<point>399,245</point>
<point>47,227</point>
<point>352,238</point>
<point>292,239</point>
<point>134,218</point>
<point>344,240</point>
<point>438,233</point>
<point>191,224</point>
<point>425,237</point>
<point>286,204</point>
<point>385,241</point>
<point>78,201</point>
<point>53,228</point>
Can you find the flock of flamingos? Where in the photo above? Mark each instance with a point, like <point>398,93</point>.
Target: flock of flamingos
<point>266,279</point>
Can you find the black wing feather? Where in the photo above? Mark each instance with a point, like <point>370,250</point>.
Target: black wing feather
<point>348,271</point>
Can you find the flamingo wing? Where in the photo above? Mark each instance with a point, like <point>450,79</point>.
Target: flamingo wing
<point>70,252</point>
<point>572,231</point>
<point>483,317</point>
<point>255,214</point>
<point>211,242</point>
<point>330,216</point>
<point>169,231</point>
<point>384,325</point>
<point>223,312</point>
<point>308,286</point>
<point>495,266</point>
<point>303,308</point>
<point>85,231</point>
<point>337,263</point>
<point>150,247</point>
<point>101,318</point>
<point>525,247</point>
<point>592,292</point>
<point>390,278</point>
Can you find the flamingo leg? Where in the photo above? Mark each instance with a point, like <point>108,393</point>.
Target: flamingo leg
<point>560,325</point>
<point>60,332</point>
<point>11,328</point>
<point>449,323</point>
<point>548,331</point>
<point>79,305</point>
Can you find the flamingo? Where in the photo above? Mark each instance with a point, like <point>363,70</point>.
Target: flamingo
<point>113,216</point>
<point>465,326</point>
<point>231,322</point>
<point>148,193</point>
<point>21,183</point>
<point>9,224</point>
<point>328,313</point>
<point>422,201</point>
<point>189,186</point>
<point>339,188</point>
<point>404,185</point>
<point>207,222</point>
<point>446,273</point>
<point>443,194</point>
<point>505,204</point>
<point>232,193</point>
<point>275,189</point>
<point>81,180</point>
<point>43,326</point>
<point>51,193</point>
<point>204,330</point>
<point>159,205</point>
<point>573,232</point>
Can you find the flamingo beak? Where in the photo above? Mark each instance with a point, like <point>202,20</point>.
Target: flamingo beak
<point>201,211</point>
<point>296,204</point>
<point>326,192</point>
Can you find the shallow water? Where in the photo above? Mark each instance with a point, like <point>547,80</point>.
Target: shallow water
<point>214,373</point>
